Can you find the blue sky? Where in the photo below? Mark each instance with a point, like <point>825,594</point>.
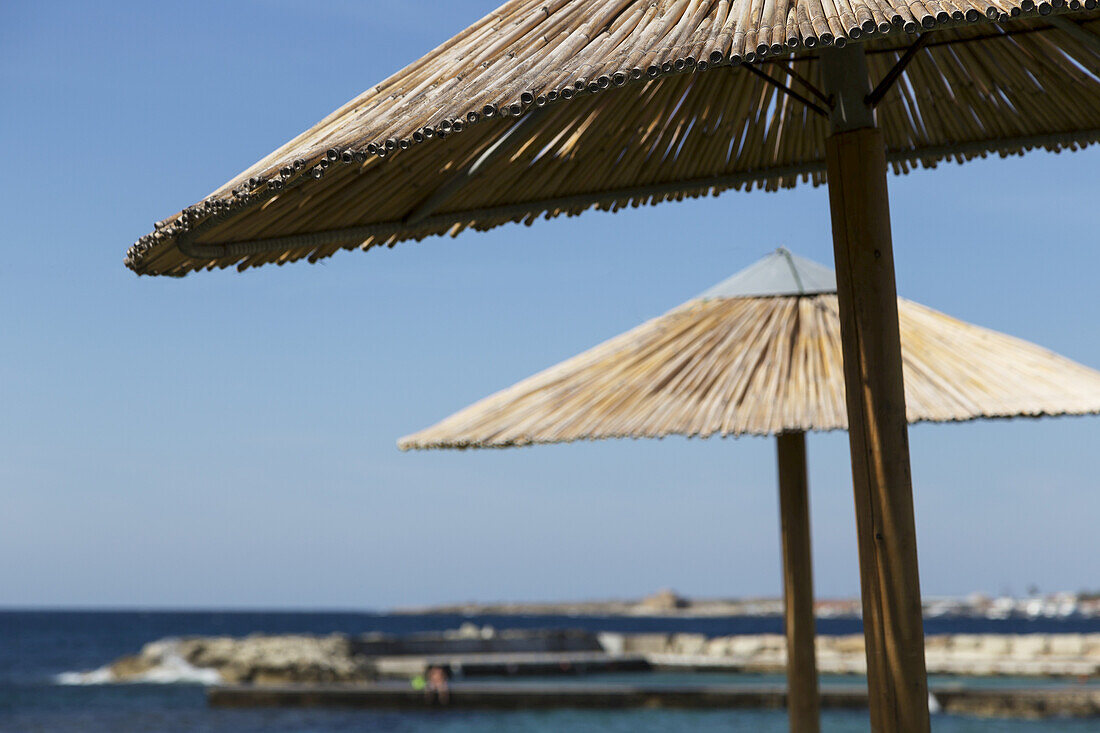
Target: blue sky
<point>228,440</point>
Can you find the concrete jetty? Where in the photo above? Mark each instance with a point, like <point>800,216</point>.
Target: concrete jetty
<point>505,696</point>
<point>511,664</point>
<point>1065,701</point>
<point>294,659</point>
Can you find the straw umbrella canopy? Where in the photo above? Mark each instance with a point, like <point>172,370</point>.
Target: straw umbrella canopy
<point>760,354</point>
<point>436,148</point>
<point>549,107</point>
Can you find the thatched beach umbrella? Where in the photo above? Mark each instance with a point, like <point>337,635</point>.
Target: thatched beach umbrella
<point>760,354</point>
<point>547,107</point>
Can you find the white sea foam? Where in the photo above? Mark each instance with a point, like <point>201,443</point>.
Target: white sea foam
<point>101,676</point>
<point>171,670</point>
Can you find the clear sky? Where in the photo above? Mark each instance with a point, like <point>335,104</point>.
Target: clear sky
<point>228,440</point>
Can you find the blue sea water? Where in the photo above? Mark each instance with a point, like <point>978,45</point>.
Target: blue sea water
<point>36,646</point>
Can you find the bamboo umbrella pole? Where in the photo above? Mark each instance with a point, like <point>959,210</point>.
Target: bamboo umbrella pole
<point>878,438</point>
<point>798,590</point>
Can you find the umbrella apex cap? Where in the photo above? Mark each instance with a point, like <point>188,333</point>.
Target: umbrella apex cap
<point>781,273</point>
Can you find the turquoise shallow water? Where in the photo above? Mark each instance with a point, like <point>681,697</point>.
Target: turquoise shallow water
<point>186,713</point>
<point>53,708</point>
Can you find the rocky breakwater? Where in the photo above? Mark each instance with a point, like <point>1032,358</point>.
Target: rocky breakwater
<point>303,659</point>
<point>1021,655</point>
<point>256,659</point>
<point>289,659</point>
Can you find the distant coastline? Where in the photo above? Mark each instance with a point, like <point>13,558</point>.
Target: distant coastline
<point>668,603</point>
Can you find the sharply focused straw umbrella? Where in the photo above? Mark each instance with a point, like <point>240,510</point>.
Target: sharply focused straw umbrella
<point>787,95</point>
<point>760,354</point>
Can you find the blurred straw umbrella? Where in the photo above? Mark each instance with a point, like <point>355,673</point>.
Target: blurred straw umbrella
<point>760,354</point>
<point>522,115</point>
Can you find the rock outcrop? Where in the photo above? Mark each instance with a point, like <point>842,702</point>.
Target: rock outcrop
<point>254,659</point>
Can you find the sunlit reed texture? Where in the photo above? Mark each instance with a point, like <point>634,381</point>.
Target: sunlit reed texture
<point>762,366</point>
<point>550,107</point>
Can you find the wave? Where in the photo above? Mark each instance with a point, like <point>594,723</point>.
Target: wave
<point>101,676</point>
<point>171,669</point>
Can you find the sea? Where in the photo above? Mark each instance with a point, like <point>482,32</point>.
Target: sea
<point>45,655</point>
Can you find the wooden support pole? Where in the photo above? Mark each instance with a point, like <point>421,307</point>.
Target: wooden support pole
<point>878,431</point>
<point>803,705</point>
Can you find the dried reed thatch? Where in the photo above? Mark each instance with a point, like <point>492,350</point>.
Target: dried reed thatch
<point>727,363</point>
<point>533,88</point>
